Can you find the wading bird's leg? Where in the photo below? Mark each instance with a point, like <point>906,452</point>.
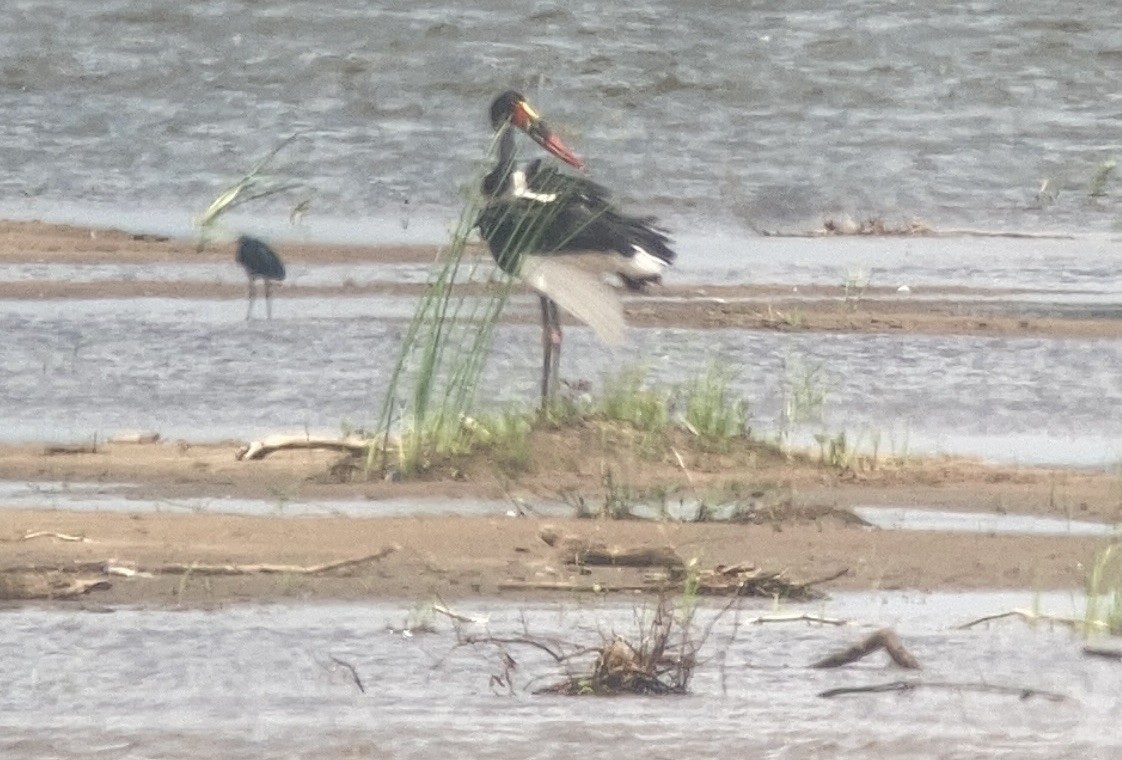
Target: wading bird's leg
<point>547,350</point>
<point>249,308</point>
<point>551,351</point>
<point>268,303</point>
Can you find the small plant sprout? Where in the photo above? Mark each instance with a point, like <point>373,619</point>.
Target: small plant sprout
<point>804,397</point>
<point>1104,592</point>
<point>1097,188</point>
<point>856,282</point>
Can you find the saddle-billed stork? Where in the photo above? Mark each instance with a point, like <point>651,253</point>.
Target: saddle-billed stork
<point>561,234</point>
<point>259,262</point>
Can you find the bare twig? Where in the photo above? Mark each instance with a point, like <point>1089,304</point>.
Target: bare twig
<point>553,649</point>
<point>798,618</point>
<point>52,534</point>
<point>351,669</point>
<point>196,568</point>
<point>1021,692</point>
<point>458,617</point>
<point>1034,617</point>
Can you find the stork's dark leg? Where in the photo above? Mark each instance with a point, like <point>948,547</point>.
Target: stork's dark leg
<point>252,293</point>
<point>551,351</point>
<point>268,303</point>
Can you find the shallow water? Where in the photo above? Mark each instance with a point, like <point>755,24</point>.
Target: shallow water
<point>259,681</point>
<point>76,369</point>
<point>121,497</point>
<point>908,518</point>
<point>712,113</point>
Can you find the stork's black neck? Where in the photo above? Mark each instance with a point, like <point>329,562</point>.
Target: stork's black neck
<point>496,181</point>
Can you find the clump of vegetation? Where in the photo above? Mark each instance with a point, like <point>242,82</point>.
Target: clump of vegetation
<point>432,388</point>
<point>660,660</point>
<point>711,411</point>
<point>626,398</point>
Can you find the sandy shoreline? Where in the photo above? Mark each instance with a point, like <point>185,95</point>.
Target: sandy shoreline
<point>804,527</point>
<point>808,532</point>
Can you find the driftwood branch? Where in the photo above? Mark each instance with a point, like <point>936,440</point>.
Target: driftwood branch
<point>196,568</point>
<point>52,534</point>
<point>273,443</point>
<point>1016,691</point>
<point>885,639</point>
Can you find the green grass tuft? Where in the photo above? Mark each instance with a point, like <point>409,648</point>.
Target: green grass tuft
<point>711,411</point>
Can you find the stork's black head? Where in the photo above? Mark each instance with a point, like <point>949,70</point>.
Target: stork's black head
<point>511,108</point>
<point>502,108</point>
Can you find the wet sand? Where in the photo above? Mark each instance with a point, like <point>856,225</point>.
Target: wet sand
<point>806,531</point>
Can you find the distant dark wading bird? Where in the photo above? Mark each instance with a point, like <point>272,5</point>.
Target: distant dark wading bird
<point>561,234</point>
<point>260,262</point>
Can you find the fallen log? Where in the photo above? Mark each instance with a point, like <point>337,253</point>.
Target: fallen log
<point>273,443</point>
<point>135,437</point>
<point>1109,650</point>
<point>581,551</point>
<point>47,585</point>
<point>885,639</point>
<point>70,448</point>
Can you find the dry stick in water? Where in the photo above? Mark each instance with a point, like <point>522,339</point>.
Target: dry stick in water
<point>351,669</point>
<point>1032,617</point>
<point>1016,691</point>
<point>885,639</point>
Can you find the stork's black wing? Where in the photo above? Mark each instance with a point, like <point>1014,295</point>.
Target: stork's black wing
<point>556,212</point>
